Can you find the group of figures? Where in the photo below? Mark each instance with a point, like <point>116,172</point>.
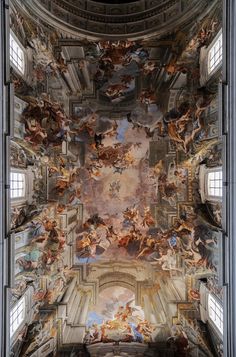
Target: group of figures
<point>117,66</point>
<point>117,318</point>
<point>47,243</point>
<point>137,238</point>
<point>45,122</point>
<point>120,329</point>
<point>116,155</point>
<point>113,178</point>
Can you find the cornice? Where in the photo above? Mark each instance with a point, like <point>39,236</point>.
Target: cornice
<point>107,17</point>
<point>93,21</point>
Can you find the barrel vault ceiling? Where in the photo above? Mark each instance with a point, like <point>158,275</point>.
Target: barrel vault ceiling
<point>115,124</point>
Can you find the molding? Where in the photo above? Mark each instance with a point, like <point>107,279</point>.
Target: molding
<point>110,349</point>
<point>229,176</point>
<point>83,21</point>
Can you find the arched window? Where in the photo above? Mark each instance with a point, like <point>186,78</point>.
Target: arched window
<point>215,54</point>
<point>215,311</point>
<point>17,184</point>
<point>17,315</point>
<point>17,56</point>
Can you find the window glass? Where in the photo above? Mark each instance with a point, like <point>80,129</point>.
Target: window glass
<point>16,55</point>
<point>214,183</point>
<point>17,184</point>
<point>17,315</point>
<point>215,54</point>
<point>215,312</point>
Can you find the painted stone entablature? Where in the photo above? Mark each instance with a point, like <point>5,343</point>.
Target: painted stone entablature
<point>116,179</point>
<point>119,20</point>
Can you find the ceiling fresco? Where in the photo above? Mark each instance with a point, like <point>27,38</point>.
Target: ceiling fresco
<point>113,136</point>
<point>117,318</point>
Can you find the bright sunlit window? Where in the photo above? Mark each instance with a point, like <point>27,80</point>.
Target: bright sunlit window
<point>215,312</point>
<point>17,315</point>
<point>17,184</point>
<point>214,183</point>
<point>215,54</point>
<point>16,54</point>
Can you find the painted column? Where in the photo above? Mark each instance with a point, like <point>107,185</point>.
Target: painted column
<point>147,307</point>
<point>77,307</point>
<point>74,307</point>
<point>86,75</point>
<point>160,312</point>
<point>69,291</point>
<point>84,312</point>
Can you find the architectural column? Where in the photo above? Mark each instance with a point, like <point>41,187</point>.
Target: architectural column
<point>66,303</point>
<point>6,106</point>
<point>74,307</point>
<point>69,290</point>
<point>228,123</point>
<point>85,307</point>
<point>157,310</point>
<point>147,307</point>
<point>77,307</point>
<point>86,75</point>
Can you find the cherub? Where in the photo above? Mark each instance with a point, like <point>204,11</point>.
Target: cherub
<point>158,168</point>
<point>116,90</point>
<point>126,79</point>
<point>149,67</point>
<point>148,219</point>
<point>131,214</point>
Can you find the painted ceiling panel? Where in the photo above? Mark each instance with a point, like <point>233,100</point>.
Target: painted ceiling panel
<point>117,235</point>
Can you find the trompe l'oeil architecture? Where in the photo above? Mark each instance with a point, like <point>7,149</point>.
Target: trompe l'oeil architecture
<point>114,157</point>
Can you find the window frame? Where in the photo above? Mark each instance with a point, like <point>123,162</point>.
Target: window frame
<point>218,305</point>
<point>17,192</point>
<point>22,199</point>
<point>209,194</point>
<point>212,45</point>
<point>15,307</point>
<point>20,71</point>
<point>203,183</point>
